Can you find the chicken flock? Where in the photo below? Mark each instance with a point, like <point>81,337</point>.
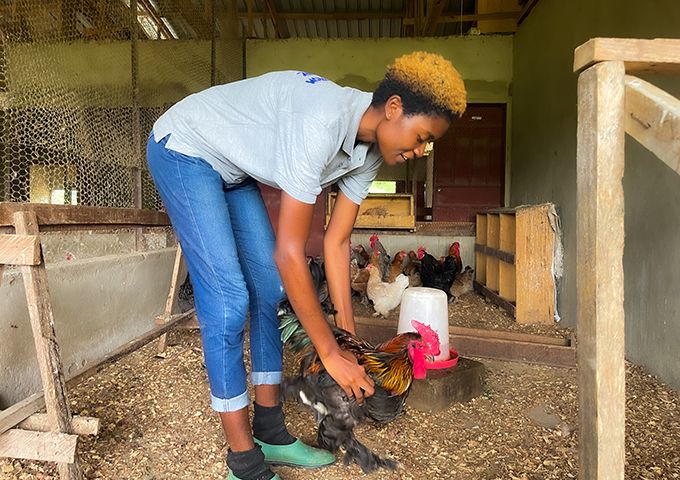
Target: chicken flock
<point>379,279</point>
<point>392,365</point>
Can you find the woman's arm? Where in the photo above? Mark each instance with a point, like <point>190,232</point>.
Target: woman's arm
<point>336,246</point>
<point>295,219</point>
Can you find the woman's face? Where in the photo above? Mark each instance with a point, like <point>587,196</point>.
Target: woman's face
<point>404,137</point>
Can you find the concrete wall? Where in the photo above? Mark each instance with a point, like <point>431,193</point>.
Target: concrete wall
<point>544,165</point>
<point>99,303</point>
<point>484,62</point>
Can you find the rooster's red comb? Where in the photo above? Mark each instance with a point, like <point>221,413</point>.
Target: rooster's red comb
<point>428,335</point>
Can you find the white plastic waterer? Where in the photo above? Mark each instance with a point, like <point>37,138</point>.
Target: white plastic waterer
<point>429,306</point>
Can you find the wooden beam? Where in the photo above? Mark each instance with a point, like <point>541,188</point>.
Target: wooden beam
<point>20,250</point>
<point>658,55</point>
<point>82,215</point>
<point>653,119</point>
<point>472,17</point>
<point>38,422</point>
<point>27,407</point>
<point>273,14</point>
<point>434,11</point>
<point>46,446</point>
<point>599,272</point>
<point>451,17</point>
<point>526,10</point>
<point>486,343</point>
<point>47,349</point>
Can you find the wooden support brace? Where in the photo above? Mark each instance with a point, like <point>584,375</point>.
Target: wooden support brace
<point>179,271</point>
<point>38,422</point>
<point>47,349</point>
<point>653,119</point>
<point>45,446</point>
<point>20,249</point>
<point>599,273</point>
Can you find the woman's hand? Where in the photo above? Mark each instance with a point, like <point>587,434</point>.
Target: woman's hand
<point>352,378</point>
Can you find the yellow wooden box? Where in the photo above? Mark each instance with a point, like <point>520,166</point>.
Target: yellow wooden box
<point>382,211</point>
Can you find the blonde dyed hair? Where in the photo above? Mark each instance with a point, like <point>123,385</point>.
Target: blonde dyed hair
<point>433,77</point>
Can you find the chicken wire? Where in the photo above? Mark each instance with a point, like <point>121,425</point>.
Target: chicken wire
<point>82,82</point>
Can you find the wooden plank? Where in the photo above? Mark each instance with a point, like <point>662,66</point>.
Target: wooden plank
<point>659,54</point>
<point>82,215</point>
<point>45,446</point>
<point>20,250</point>
<point>506,281</point>
<point>489,344</point>
<point>47,349</point>
<point>495,252</point>
<point>599,272</point>
<point>16,413</point>
<point>533,266</point>
<point>653,119</point>
<point>27,407</point>
<point>477,332</point>
<point>494,297</point>
<point>38,422</point>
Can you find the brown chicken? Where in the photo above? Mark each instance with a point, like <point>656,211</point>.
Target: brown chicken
<point>462,284</point>
<point>392,366</point>
<point>396,266</point>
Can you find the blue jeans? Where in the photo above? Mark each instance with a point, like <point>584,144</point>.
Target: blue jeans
<point>228,245</point>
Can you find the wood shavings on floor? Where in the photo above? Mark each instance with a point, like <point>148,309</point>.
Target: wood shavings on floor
<point>156,423</point>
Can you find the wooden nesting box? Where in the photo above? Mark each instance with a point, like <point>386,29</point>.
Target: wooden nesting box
<point>514,257</point>
<point>382,211</point>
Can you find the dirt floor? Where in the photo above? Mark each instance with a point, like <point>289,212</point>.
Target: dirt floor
<point>156,422</point>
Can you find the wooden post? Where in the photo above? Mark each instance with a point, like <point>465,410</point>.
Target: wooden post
<point>47,349</point>
<point>599,280</point>
<point>178,271</point>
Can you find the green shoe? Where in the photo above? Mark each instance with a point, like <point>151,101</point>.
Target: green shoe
<point>297,454</point>
<point>231,476</point>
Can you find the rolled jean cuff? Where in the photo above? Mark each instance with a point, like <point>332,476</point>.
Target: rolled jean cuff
<point>229,404</point>
<point>266,378</point>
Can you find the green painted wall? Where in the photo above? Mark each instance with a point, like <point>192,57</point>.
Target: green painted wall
<point>544,165</point>
<point>485,63</point>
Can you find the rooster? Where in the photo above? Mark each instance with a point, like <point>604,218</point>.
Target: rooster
<point>436,274</point>
<point>383,257</point>
<point>385,296</point>
<point>392,365</point>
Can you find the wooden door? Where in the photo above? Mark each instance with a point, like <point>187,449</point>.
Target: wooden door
<point>469,164</point>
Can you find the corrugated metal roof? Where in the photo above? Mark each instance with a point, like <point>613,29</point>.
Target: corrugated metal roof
<point>352,18</point>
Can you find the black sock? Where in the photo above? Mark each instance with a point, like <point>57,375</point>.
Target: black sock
<point>269,426</point>
<point>249,465</point>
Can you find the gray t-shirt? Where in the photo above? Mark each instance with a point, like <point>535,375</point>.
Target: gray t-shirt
<point>290,130</point>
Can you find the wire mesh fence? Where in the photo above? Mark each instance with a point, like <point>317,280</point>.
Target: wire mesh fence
<point>82,82</point>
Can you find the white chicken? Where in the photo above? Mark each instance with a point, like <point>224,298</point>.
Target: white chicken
<point>385,296</point>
